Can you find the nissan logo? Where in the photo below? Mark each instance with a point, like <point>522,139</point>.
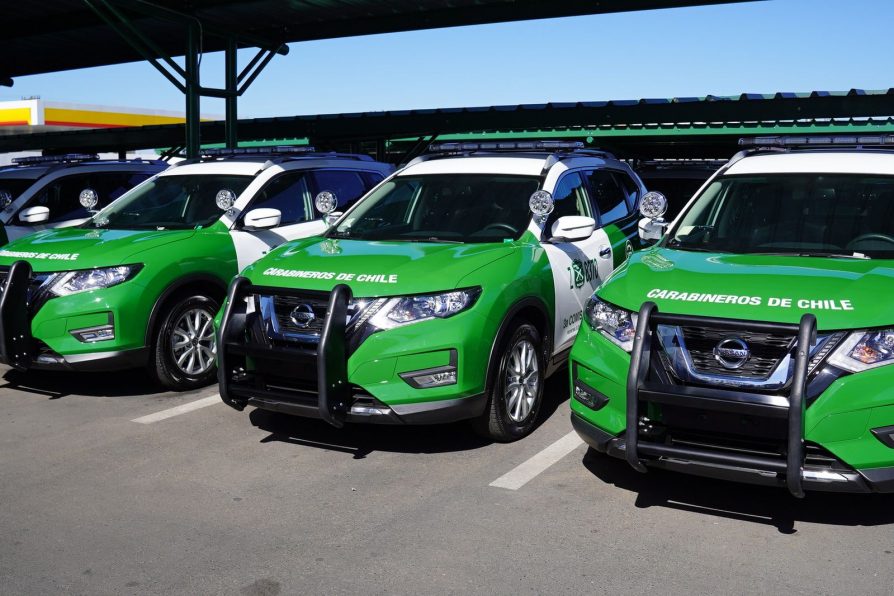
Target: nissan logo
<point>732,353</point>
<point>302,315</point>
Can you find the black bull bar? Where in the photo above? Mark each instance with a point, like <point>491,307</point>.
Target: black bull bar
<point>16,341</point>
<point>640,389</point>
<point>333,389</point>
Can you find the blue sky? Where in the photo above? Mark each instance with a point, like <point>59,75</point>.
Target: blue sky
<point>761,47</point>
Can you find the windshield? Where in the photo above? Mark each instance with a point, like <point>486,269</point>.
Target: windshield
<point>442,208</point>
<point>808,214</point>
<point>170,202</point>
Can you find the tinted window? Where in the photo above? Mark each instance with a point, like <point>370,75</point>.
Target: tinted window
<point>15,186</point>
<point>443,208</point>
<point>570,199</point>
<point>289,194</point>
<point>63,196</point>
<point>171,202</point>
<point>629,187</point>
<point>609,199</point>
<point>347,186</point>
<point>792,214</point>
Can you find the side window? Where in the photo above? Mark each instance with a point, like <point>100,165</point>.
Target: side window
<point>63,196</point>
<point>348,186</point>
<point>570,199</point>
<point>630,188</point>
<point>288,193</point>
<point>607,196</point>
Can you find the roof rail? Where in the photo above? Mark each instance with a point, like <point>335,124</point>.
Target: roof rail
<point>33,160</point>
<point>803,142</point>
<point>496,146</point>
<point>237,151</point>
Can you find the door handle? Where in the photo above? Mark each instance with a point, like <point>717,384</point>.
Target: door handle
<point>605,252</point>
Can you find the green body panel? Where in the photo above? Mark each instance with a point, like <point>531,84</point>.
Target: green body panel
<point>168,258</point>
<point>507,274</point>
<point>852,294</point>
<point>850,291</point>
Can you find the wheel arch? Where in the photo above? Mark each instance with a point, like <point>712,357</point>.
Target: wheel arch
<point>201,283</point>
<point>531,309</point>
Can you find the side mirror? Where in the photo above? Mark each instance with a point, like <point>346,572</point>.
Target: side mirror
<point>330,218</point>
<point>651,230</point>
<point>572,228</point>
<point>262,218</point>
<point>33,215</point>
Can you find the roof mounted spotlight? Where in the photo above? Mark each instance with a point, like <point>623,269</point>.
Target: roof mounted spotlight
<point>819,141</point>
<point>33,160</point>
<point>460,147</point>
<point>277,150</point>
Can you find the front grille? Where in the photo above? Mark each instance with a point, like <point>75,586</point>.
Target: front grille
<point>767,350</point>
<point>285,306</point>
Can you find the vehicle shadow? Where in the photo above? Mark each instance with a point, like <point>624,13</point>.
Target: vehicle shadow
<point>59,384</point>
<point>744,502</point>
<point>360,440</point>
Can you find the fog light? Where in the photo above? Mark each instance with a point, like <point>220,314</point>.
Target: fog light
<point>91,335</point>
<point>425,379</point>
<point>589,396</point>
<point>885,435</point>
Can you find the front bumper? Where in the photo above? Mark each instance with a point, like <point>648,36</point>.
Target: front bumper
<point>650,420</point>
<point>335,381</point>
<point>40,332</point>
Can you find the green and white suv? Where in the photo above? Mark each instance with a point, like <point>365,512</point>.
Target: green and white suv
<point>139,283</point>
<point>754,341</point>
<point>449,292</point>
<point>42,192</point>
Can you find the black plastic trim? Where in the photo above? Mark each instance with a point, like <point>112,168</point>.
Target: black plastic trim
<point>175,287</point>
<point>16,341</point>
<point>885,434</point>
<point>721,400</point>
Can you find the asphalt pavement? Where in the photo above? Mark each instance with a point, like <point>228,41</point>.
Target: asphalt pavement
<point>109,486</point>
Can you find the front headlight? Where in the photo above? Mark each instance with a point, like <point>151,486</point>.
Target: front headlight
<point>617,324</point>
<point>73,282</point>
<point>863,350</point>
<point>413,309</point>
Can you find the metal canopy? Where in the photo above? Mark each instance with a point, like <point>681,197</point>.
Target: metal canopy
<point>636,128</point>
<point>53,35</point>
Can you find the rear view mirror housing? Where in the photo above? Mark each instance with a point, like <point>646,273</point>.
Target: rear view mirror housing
<point>33,215</point>
<point>572,228</point>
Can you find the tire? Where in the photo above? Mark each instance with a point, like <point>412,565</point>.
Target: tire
<point>511,413</point>
<point>197,365</point>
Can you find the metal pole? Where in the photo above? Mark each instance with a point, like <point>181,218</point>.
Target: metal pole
<point>232,98</point>
<point>192,92</point>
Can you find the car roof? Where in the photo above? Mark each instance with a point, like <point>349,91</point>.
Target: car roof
<point>819,161</point>
<point>251,166</point>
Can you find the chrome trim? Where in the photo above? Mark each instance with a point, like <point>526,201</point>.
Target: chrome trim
<point>674,346</point>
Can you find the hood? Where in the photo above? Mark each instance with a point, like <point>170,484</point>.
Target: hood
<point>80,248</point>
<point>841,293</point>
<point>372,268</point>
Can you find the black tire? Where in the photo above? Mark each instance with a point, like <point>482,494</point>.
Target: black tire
<point>163,365</point>
<point>498,422</point>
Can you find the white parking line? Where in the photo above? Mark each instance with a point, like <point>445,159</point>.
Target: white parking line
<point>527,471</point>
<point>176,411</point>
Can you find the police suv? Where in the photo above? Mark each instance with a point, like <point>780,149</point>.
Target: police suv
<point>449,292</point>
<point>754,341</point>
<point>140,281</point>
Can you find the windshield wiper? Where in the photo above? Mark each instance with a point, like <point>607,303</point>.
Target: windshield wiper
<point>827,255</point>
<point>336,234</point>
<point>435,240</point>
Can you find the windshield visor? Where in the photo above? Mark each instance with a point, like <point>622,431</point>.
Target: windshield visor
<point>809,214</point>
<point>448,208</point>
<point>175,202</point>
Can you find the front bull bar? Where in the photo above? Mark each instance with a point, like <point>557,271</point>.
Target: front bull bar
<point>638,388</point>
<point>333,389</point>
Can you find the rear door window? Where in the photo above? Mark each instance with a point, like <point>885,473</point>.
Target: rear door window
<point>347,185</point>
<point>607,196</point>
